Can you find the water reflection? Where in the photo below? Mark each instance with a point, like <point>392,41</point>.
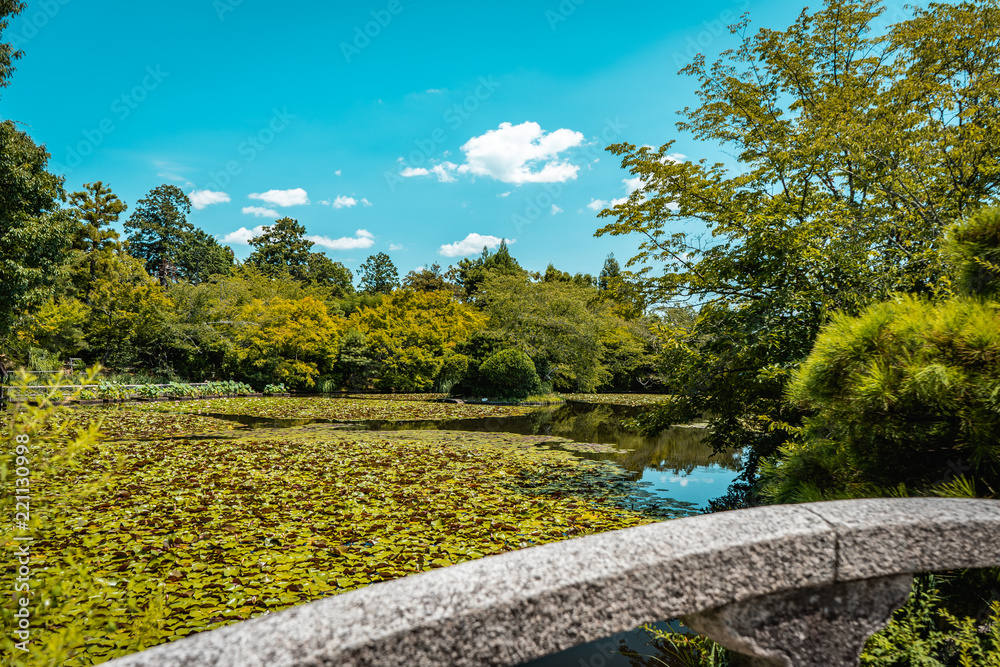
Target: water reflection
<point>676,468</point>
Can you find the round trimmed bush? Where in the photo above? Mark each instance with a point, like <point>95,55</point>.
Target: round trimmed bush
<point>509,374</point>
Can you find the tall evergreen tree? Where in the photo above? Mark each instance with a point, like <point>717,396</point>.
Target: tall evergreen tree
<point>378,275</point>
<point>282,248</point>
<point>96,209</point>
<point>159,230</point>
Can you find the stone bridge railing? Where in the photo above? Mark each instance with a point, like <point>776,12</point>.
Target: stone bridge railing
<point>791,585</point>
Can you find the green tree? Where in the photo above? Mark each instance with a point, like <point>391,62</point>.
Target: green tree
<point>35,232</point>
<point>470,273</point>
<point>378,275</point>
<point>8,55</point>
<point>609,272</point>
<point>160,230</point>
<point>334,276</point>
<point>559,324</point>
<point>96,208</point>
<point>430,279</point>
<point>856,147</point>
<point>282,247</point>
<point>201,257</point>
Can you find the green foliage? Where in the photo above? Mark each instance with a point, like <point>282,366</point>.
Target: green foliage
<point>276,389</point>
<point>903,394</point>
<point>430,279</point>
<point>282,248</point>
<point>973,247</point>
<point>509,374</point>
<point>8,54</point>
<point>159,231</point>
<point>34,232</point>
<point>559,324</point>
<point>923,633</point>
<point>408,336</point>
<point>843,186</point>
<point>471,273</point>
<point>202,533</point>
<point>149,391</point>
<point>378,275</point>
<point>95,209</point>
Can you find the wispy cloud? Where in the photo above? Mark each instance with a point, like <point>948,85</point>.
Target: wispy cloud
<point>395,246</point>
<point>294,197</point>
<point>260,212</point>
<point>471,244</point>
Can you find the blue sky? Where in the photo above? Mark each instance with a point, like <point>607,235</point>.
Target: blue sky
<point>422,129</point>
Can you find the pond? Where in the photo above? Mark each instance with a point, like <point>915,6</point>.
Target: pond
<point>676,475</point>
<point>677,472</point>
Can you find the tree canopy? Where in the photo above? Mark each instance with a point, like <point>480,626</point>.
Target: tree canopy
<point>854,149</point>
<point>378,275</point>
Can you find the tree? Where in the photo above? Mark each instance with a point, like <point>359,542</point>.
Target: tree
<point>160,230</point>
<point>129,312</point>
<point>609,272</point>
<point>430,279</point>
<point>96,209</point>
<point>201,257</point>
<point>559,324</point>
<point>470,273</point>
<point>293,341</point>
<point>509,373</point>
<point>334,276</point>
<point>34,231</point>
<point>282,247</point>
<point>378,275</point>
<point>409,336</point>
<point>856,147</point>
<point>7,52</point>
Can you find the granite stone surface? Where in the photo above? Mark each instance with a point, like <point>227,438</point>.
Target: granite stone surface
<point>508,609</point>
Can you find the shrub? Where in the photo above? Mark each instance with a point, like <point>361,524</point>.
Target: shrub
<point>509,374</point>
<point>973,246</point>
<point>908,393</point>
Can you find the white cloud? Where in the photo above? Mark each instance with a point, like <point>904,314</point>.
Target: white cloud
<point>243,235</point>
<point>361,239</point>
<point>632,184</point>
<point>556,209</point>
<point>445,171</point>
<point>295,197</point>
<point>432,91</point>
<point>202,198</point>
<point>394,246</point>
<point>339,172</point>
<point>600,204</point>
<point>366,202</point>
<point>504,195</point>
<point>344,202</point>
<point>471,244</point>
<point>260,212</point>
<point>521,154</point>
<point>410,172</point>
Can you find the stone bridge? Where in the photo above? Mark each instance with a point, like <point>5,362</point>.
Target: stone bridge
<point>783,585</point>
